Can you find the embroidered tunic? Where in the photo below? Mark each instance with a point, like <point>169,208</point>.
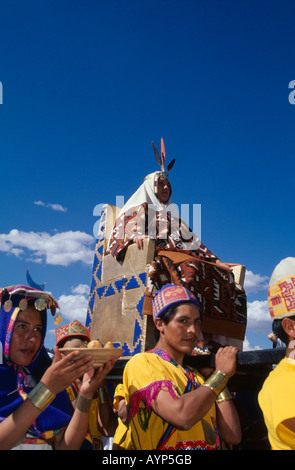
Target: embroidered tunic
<point>276,400</point>
<point>144,376</point>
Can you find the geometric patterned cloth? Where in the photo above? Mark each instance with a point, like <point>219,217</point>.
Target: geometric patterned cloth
<point>118,290</point>
<point>281,290</point>
<point>223,304</point>
<point>169,296</point>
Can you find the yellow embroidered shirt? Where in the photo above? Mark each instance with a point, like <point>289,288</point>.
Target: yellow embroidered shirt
<point>276,399</point>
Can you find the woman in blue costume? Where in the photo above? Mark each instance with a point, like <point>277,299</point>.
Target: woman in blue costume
<point>35,409</point>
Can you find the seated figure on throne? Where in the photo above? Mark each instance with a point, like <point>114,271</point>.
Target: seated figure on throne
<point>180,256</point>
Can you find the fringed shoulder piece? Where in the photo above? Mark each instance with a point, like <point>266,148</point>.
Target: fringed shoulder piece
<point>149,393</point>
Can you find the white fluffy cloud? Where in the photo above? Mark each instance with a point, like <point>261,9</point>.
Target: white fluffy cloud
<point>255,282</point>
<point>259,320</point>
<point>54,207</point>
<point>258,317</point>
<point>74,306</point>
<point>60,249</point>
<point>248,347</point>
<point>81,289</point>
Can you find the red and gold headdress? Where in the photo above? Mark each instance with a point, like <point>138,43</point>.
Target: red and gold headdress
<point>19,295</point>
<point>72,330</point>
<point>169,296</point>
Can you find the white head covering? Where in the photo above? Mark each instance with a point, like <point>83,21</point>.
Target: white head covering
<point>146,193</point>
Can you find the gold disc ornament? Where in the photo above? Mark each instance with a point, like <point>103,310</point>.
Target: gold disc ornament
<point>8,305</point>
<point>23,304</point>
<point>57,320</point>
<point>41,304</point>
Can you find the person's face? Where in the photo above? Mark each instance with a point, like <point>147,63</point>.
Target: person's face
<point>164,190</point>
<point>26,337</point>
<point>181,334</point>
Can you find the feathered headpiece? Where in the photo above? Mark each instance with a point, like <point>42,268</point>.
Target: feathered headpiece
<point>162,159</point>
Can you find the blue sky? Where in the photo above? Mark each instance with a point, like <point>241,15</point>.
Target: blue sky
<point>88,84</point>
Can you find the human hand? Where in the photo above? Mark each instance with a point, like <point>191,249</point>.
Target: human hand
<point>222,265</point>
<point>139,241</point>
<point>94,378</point>
<point>65,370</point>
<point>226,359</point>
<point>272,337</point>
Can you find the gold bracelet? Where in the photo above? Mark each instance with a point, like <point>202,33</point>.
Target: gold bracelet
<point>102,396</point>
<point>41,396</point>
<point>216,382</point>
<point>83,404</point>
<point>225,395</point>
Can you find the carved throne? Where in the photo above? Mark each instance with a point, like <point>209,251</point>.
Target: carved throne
<point>117,292</point>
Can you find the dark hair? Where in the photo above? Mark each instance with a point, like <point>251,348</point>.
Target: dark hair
<point>168,314</point>
<point>279,331</point>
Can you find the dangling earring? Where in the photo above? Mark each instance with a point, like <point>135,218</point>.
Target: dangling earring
<point>8,305</point>
<point>23,304</point>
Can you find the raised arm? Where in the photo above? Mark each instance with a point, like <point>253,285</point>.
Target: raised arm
<point>57,378</point>
<point>191,407</point>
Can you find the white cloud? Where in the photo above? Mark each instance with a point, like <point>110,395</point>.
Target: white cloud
<point>17,252</point>
<point>55,207</point>
<point>248,347</point>
<point>73,307</point>
<point>259,320</point>
<point>81,289</point>
<point>254,282</point>
<point>60,249</point>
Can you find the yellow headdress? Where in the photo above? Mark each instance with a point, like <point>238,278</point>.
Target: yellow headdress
<point>281,290</point>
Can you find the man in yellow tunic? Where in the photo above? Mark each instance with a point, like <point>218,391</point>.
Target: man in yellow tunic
<point>171,406</point>
<point>276,398</point>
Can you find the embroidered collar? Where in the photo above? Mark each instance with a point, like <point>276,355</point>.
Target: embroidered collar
<point>164,355</point>
<point>187,371</point>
